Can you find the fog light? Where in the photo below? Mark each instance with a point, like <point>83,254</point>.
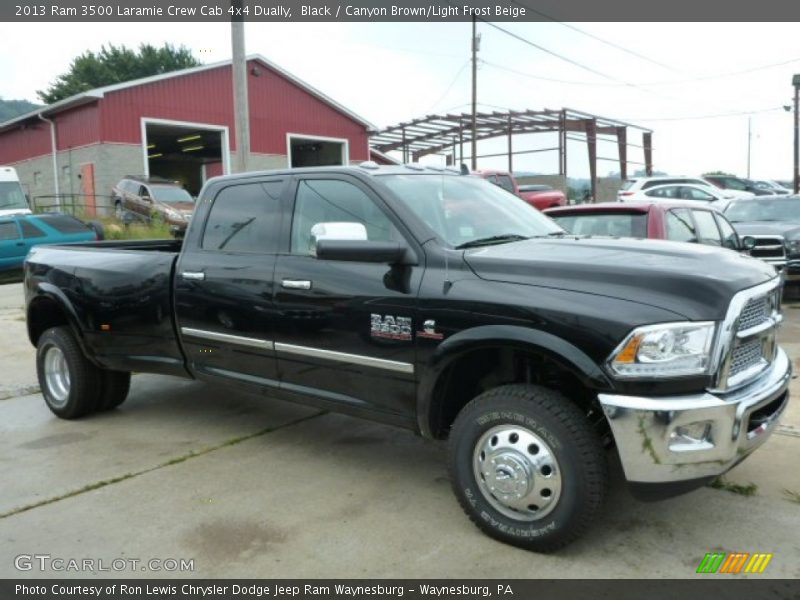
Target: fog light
<point>693,436</point>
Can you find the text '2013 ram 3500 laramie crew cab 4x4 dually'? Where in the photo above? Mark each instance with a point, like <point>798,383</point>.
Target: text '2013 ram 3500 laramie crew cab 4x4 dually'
<point>438,302</point>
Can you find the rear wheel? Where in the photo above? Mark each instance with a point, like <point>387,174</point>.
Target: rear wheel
<point>70,383</point>
<point>527,467</point>
<point>115,387</point>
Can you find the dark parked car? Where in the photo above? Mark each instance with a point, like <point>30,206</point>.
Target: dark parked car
<point>153,199</point>
<point>659,220</point>
<point>729,182</point>
<point>436,302</point>
<point>774,222</point>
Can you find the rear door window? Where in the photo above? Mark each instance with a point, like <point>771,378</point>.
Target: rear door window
<point>245,218</point>
<point>680,226</point>
<point>29,230</point>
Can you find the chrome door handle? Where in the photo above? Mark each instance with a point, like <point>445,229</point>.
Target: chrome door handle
<point>296,284</point>
<point>193,275</point>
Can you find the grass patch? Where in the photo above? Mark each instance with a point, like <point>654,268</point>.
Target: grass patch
<point>114,230</point>
<point>792,496</point>
<point>748,489</point>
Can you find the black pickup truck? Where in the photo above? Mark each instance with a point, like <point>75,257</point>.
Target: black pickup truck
<point>438,302</point>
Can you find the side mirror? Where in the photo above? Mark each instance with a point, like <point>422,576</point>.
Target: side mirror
<point>348,242</point>
<point>748,243</point>
<point>337,231</point>
<point>147,199</point>
<point>393,253</point>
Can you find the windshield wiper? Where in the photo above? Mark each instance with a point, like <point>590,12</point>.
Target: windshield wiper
<point>493,239</point>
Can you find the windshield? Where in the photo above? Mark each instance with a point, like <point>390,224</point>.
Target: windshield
<point>780,209</point>
<point>11,196</point>
<point>615,224</point>
<point>463,210</point>
<point>170,194</point>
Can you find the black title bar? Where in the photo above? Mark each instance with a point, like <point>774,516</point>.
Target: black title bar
<point>398,10</point>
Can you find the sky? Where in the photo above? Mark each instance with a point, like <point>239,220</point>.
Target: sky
<point>698,86</point>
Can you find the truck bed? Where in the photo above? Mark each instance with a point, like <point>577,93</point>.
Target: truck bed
<point>121,293</point>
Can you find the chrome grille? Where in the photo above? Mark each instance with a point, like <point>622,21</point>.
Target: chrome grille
<point>754,313</point>
<point>748,345</point>
<point>745,356</point>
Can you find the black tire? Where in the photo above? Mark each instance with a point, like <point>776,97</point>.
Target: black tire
<point>98,229</point>
<point>59,352</point>
<point>534,413</point>
<point>115,387</point>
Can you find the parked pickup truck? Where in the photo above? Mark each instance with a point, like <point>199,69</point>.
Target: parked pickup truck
<point>434,301</point>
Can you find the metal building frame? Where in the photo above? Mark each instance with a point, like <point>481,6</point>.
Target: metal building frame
<point>435,134</point>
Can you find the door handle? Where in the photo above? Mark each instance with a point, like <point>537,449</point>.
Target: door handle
<point>296,284</point>
<point>193,275</point>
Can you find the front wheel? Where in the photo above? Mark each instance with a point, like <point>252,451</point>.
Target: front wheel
<point>527,467</point>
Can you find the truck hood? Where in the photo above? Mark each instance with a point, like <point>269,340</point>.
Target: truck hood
<point>790,231</point>
<point>692,280</point>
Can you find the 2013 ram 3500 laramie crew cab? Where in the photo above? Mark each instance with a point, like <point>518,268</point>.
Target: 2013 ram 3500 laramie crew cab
<point>438,302</point>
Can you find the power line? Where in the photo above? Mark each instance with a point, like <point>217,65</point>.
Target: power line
<point>595,37</point>
<point>449,87</point>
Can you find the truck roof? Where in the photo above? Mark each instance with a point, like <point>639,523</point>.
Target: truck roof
<point>8,174</point>
<point>365,168</point>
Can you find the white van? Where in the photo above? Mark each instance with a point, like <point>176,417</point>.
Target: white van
<point>12,198</point>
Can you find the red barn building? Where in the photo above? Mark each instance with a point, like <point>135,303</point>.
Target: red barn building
<point>178,125</point>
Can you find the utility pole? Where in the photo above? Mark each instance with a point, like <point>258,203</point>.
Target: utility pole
<point>796,83</point>
<point>749,142</point>
<point>241,111</point>
<point>476,41</point>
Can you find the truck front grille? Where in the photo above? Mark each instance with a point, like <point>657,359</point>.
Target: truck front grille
<point>769,248</point>
<point>749,335</point>
<point>745,356</point>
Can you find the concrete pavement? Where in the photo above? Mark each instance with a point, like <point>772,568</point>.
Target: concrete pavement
<point>248,487</point>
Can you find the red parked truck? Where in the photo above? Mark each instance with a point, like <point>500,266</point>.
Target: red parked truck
<point>538,195</point>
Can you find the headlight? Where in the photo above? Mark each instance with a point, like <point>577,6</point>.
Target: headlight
<point>665,350</point>
<point>792,246</point>
<point>172,214</point>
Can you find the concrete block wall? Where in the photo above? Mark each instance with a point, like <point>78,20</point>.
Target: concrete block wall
<point>111,162</point>
<point>607,188</point>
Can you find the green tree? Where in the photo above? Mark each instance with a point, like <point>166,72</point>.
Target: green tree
<point>115,64</point>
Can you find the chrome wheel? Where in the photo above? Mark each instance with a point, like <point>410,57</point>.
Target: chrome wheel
<point>517,472</point>
<point>56,376</point>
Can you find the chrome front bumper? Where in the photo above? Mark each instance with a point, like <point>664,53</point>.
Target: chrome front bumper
<point>680,438</point>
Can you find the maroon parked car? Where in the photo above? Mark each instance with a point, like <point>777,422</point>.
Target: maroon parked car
<point>677,221</point>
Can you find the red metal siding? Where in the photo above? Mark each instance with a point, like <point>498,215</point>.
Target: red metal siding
<point>77,127</point>
<point>204,97</point>
<point>20,144</point>
<point>277,106</point>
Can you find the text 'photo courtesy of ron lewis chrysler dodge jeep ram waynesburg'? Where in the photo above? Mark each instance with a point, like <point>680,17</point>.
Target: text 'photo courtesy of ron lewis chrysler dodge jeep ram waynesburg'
<point>435,301</point>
